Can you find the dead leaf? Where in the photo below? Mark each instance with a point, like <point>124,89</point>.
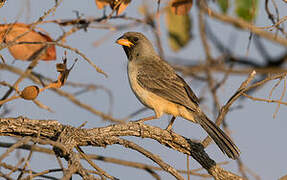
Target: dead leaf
<point>64,72</point>
<point>9,32</point>
<point>118,5</point>
<point>123,6</point>
<point>180,7</point>
<point>63,76</point>
<point>2,2</point>
<point>102,3</point>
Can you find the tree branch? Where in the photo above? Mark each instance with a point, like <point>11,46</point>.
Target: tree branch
<point>70,137</point>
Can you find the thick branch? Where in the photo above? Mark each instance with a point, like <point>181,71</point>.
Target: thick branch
<point>71,137</point>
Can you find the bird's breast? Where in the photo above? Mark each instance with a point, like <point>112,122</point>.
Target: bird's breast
<point>145,96</point>
<point>141,93</point>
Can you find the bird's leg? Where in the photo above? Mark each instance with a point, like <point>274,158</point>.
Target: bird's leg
<point>147,119</point>
<point>170,123</point>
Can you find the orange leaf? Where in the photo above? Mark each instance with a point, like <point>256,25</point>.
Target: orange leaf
<point>113,4</point>
<point>121,7</point>
<point>180,7</point>
<point>63,76</point>
<point>9,32</point>
<point>101,3</point>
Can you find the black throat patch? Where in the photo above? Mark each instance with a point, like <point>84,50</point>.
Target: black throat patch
<point>128,52</point>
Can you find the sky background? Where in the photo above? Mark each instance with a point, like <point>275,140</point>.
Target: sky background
<point>260,138</point>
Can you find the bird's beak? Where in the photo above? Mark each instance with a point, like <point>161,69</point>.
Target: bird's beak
<point>124,42</point>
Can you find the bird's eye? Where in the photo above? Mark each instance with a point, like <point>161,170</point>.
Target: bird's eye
<point>136,39</point>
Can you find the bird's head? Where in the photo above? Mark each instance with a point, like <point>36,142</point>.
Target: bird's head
<point>135,44</point>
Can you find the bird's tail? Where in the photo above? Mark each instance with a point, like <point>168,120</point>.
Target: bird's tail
<point>219,137</point>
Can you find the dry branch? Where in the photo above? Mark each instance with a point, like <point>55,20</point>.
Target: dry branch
<point>65,138</point>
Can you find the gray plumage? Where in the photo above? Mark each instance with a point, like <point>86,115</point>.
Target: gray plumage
<point>157,86</point>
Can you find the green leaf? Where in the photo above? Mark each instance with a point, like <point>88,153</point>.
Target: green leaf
<point>224,5</point>
<point>179,27</point>
<point>246,9</point>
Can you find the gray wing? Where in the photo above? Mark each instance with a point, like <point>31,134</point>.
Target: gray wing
<point>159,77</point>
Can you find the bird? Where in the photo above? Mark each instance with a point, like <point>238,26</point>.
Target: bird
<point>157,86</point>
